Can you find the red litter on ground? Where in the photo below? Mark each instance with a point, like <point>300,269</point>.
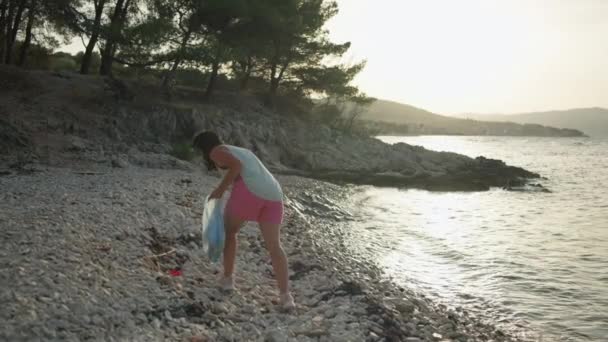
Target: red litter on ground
<point>176,272</point>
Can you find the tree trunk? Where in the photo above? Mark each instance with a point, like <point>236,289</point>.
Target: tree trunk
<point>13,32</point>
<point>212,78</point>
<point>247,70</point>
<point>88,54</point>
<point>107,56</point>
<point>106,53</point>
<point>274,83</point>
<point>281,73</point>
<point>180,55</point>
<point>3,15</point>
<point>17,20</point>
<point>353,116</point>
<point>274,86</point>
<point>275,79</point>
<point>7,28</point>
<point>28,33</point>
<point>166,84</point>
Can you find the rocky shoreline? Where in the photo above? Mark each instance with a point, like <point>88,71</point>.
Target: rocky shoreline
<point>54,118</point>
<point>89,253</point>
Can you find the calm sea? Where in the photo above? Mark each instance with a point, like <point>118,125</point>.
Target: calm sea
<point>533,263</point>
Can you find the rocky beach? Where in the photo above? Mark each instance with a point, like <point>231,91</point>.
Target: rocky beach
<point>88,253</point>
<point>100,222</point>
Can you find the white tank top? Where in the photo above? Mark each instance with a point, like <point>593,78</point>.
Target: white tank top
<point>256,176</point>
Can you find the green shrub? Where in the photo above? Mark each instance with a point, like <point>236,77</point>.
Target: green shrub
<point>38,57</point>
<point>63,63</point>
<point>183,151</point>
<point>95,61</point>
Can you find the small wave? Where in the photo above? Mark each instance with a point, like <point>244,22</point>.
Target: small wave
<point>466,296</point>
<point>510,277</point>
<point>590,257</point>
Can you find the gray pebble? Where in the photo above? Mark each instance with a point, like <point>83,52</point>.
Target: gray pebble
<point>277,335</point>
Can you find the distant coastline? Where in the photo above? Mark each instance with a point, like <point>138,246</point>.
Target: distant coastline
<point>475,128</point>
<point>593,121</point>
<point>392,118</point>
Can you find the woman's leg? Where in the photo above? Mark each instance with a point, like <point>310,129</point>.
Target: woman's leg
<point>270,232</point>
<point>232,225</point>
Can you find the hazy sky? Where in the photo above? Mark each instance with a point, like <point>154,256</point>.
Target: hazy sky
<point>454,56</point>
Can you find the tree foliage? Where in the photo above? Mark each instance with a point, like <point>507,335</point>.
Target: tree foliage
<point>274,47</point>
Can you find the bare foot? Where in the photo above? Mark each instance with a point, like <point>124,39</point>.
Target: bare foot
<point>227,284</point>
<point>286,301</point>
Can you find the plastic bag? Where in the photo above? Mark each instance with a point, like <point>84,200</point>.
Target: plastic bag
<point>213,228</point>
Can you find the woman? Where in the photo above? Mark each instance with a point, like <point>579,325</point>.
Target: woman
<point>256,196</point>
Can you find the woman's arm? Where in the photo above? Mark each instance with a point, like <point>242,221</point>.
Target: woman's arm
<point>225,160</point>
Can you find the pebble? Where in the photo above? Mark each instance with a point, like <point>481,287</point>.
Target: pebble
<point>405,307</point>
<point>376,329</point>
<point>98,320</point>
<point>220,309</point>
<point>277,335</point>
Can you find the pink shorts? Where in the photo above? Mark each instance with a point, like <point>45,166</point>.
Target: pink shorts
<point>245,205</point>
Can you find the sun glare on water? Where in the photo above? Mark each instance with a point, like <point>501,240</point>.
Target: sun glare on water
<point>431,218</point>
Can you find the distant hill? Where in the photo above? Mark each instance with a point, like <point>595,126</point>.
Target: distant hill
<point>592,121</point>
<point>396,118</point>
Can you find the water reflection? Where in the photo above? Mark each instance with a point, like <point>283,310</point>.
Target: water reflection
<point>528,260</point>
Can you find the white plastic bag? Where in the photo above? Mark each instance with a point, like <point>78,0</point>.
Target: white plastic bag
<point>213,228</point>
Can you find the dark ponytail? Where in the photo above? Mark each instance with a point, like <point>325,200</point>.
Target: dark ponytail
<point>205,142</point>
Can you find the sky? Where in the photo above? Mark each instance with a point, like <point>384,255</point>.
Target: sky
<point>479,56</point>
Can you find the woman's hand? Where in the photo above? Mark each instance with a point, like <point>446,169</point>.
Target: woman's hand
<point>217,193</point>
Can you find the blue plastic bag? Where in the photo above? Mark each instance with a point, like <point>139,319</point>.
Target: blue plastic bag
<point>213,228</point>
